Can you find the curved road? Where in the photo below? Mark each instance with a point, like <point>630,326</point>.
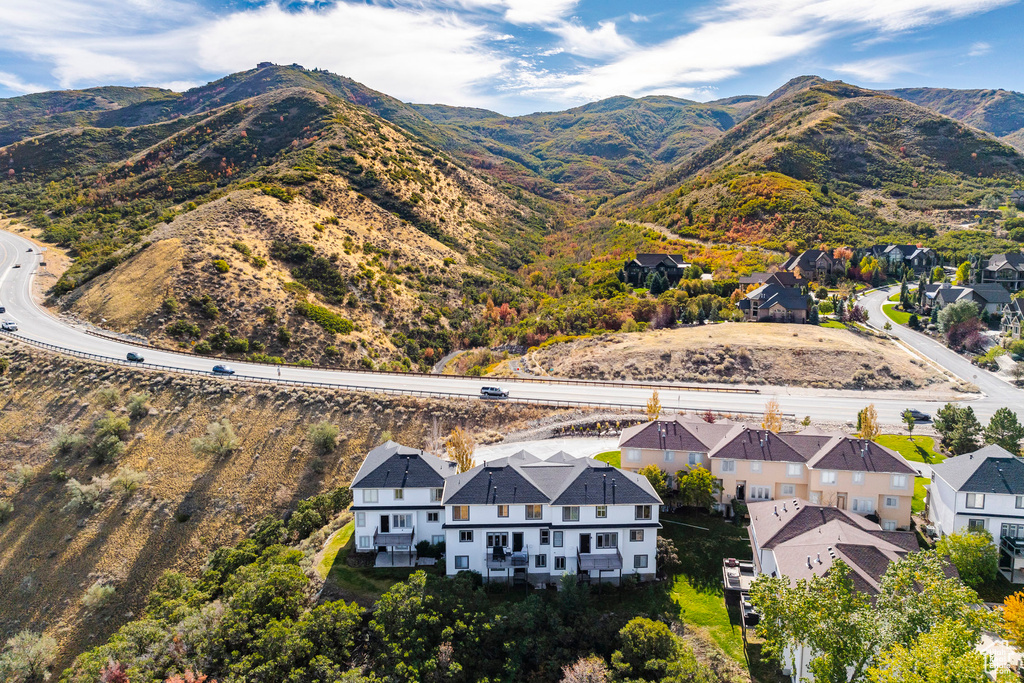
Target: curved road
<point>36,324</point>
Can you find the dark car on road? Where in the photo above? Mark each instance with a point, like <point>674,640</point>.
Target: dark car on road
<point>135,357</point>
<point>492,392</point>
<point>919,416</point>
<point>222,370</point>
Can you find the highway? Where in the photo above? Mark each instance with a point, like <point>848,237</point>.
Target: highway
<point>37,324</point>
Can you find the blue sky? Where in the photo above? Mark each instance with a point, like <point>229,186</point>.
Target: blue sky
<point>517,56</point>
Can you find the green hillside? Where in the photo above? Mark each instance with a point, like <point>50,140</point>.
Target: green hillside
<point>1000,112</point>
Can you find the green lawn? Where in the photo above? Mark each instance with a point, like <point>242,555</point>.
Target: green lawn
<point>834,324</point>
<point>697,585</point>
<point>338,541</point>
<point>364,585</point>
<point>917,504</point>
<point>894,297</point>
<point>613,458</point>
<point>898,317</point>
<point>917,449</point>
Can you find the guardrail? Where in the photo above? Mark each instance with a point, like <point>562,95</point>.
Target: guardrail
<point>503,380</point>
<point>558,403</point>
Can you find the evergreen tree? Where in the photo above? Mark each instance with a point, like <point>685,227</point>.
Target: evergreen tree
<point>1005,430</point>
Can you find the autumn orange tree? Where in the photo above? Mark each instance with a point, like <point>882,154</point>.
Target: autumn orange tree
<point>1013,620</point>
<point>867,423</point>
<point>772,420</point>
<point>654,406</point>
<point>460,447</point>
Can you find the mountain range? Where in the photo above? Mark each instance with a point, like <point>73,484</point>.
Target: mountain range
<point>298,214</point>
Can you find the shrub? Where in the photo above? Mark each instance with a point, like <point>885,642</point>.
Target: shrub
<point>183,328</point>
<point>203,348</point>
<point>332,350</point>
<point>330,321</point>
<point>107,449</point>
<point>27,657</point>
<point>171,304</point>
<point>22,474</point>
<point>65,442</point>
<point>5,365</point>
<point>128,480</point>
<point>304,363</point>
<point>206,305</point>
<point>324,436</point>
<point>112,424</point>
<point>138,405</point>
<point>6,509</point>
<point>974,555</point>
<point>236,345</point>
<point>264,358</point>
<point>220,440</point>
<point>242,248</point>
<point>259,262</point>
<point>108,396</point>
<point>86,495</point>
<point>97,595</point>
<point>284,336</point>
<point>221,265</point>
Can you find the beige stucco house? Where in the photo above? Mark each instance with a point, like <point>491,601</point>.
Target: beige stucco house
<point>753,464</point>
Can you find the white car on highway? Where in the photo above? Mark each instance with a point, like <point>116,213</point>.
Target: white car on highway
<point>9,326</point>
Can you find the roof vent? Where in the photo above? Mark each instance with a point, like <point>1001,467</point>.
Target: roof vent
<point>776,510</point>
<point>819,558</point>
<point>831,553</point>
<point>809,565</point>
<point>784,508</point>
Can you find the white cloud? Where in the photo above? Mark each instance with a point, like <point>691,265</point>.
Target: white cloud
<point>538,12</point>
<point>879,69</point>
<point>638,18</point>
<point>603,41</point>
<point>979,49</point>
<point>15,83</point>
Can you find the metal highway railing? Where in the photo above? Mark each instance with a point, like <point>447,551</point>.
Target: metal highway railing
<point>356,387</point>
<point>503,380</point>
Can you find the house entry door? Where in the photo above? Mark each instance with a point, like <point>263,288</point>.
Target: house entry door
<point>517,541</point>
<point>584,543</point>
<point>385,524</point>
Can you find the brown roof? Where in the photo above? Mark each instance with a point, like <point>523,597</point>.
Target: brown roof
<point>683,433</point>
<point>744,443</point>
<point>845,453</point>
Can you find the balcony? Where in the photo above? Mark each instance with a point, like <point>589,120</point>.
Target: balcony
<point>400,537</point>
<point>737,575</point>
<point>499,558</point>
<point>599,561</point>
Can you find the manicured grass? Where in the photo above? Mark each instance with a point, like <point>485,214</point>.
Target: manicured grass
<point>364,585</point>
<point>338,541</point>
<point>697,585</point>
<point>917,449</point>
<point>613,458</point>
<point>898,317</point>
<point>917,504</point>
<point>834,324</point>
<point>894,297</point>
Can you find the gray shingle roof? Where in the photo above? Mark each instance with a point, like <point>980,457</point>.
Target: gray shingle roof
<point>743,443</point>
<point>1013,260</point>
<point>859,455</point>
<point>771,294</point>
<point>392,465</point>
<point>991,469</point>
<point>654,260</point>
<point>991,292</point>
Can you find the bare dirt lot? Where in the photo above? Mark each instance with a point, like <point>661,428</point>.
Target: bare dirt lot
<point>741,353</point>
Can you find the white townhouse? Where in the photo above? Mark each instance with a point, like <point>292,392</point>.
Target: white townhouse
<point>397,501</point>
<point>521,518</point>
<point>983,490</point>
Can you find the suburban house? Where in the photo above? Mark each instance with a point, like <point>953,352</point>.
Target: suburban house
<point>797,540</point>
<point>1012,320</point>
<point>782,277</point>
<point>672,266</point>
<point>990,297</point>
<point>814,263</point>
<point>754,464</point>
<point>521,518</point>
<point>1006,270</point>
<point>982,490</point>
<point>919,259</point>
<point>1017,198</point>
<point>776,303</point>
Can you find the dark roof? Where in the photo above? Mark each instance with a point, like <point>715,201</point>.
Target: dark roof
<point>743,443</point>
<point>870,559</point>
<point>782,277</point>
<point>991,469</point>
<point>844,453</point>
<point>684,433</point>
<point>999,261</point>
<point>654,260</point>
<point>807,518</point>
<point>771,294</point>
<point>809,441</point>
<point>991,292</point>
<point>806,260</point>
<point>581,482</point>
<point>392,465</point>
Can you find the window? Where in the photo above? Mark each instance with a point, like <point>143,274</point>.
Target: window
<point>540,561</point>
<point>436,495</point>
<point>1012,531</point>
<point>437,539</point>
<point>608,540</point>
<point>571,513</point>
<point>636,535</point>
<point>557,540</point>
<point>433,516</point>
<point>643,511</point>
<point>816,497</point>
<point>892,502</point>
<point>497,539</point>
<point>975,501</point>
<point>755,466</point>
<point>828,478</point>
<point>503,510</point>
<point>462,561</point>
<point>639,562</point>
<point>858,478</point>
<point>760,493</point>
<point>559,563</point>
<point>369,495</point>
<point>693,458</point>
<point>399,494</point>
<point>975,524</point>
<point>888,525</point>
<point>670,456</point>
<point>402,521</point>
<point>601,512</point>
<point>863,505</point>
<point>788,489</point>
<point>460,513</point>
<point>360,519</point>
<point>1020,502</point>
<point>794,469</point>
<point>633,455</point>
<point>466,536</point>
<point>899,481</point>
<point>534,511</point>
<point>364,541</point>
<point>728,466</point>
<point>545,536</point>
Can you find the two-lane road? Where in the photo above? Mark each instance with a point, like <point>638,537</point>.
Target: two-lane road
<point>35,323</point>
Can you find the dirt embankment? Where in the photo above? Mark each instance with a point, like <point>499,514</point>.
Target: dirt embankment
<point>741,353</point>
<point>189,504</point>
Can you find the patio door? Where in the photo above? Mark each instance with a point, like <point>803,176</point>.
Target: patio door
<point>584,543</point>
<point>385,524</point>
<point>517,541</point>
<point>841,501</point>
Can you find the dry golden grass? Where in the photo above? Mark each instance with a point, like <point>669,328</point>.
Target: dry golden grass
<point>189,504</point>
<point>765,353</point>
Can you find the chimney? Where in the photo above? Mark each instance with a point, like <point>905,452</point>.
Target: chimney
<point>613,492</point>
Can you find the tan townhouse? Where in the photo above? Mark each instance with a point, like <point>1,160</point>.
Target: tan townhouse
<point>753,464</point>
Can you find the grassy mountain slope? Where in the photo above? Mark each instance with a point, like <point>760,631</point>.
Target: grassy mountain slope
<point>1000,112</point>
<point>312,211</point>
<point>827,161</point>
